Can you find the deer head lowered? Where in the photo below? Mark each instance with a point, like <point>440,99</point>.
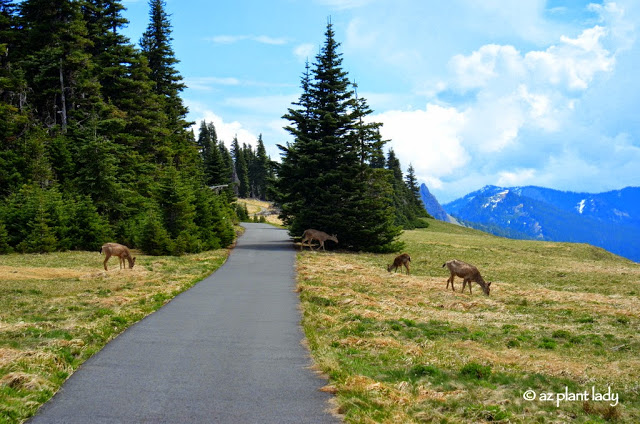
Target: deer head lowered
<point>468,273</point>
<point>399,261</point>
<point>119,250</point>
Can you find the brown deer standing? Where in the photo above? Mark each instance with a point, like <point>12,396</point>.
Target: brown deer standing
<point>468,273</point>
<point>399,261</point>
<point>119,250</point>
<point>310,235</point>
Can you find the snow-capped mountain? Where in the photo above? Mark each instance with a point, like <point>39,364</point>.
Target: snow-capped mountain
<point>609,220</point>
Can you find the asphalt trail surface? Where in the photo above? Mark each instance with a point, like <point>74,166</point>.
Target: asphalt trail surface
<point>226,351</point>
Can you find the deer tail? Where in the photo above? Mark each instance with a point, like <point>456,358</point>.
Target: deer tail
<point>101,250</point>
<point>444,264</point>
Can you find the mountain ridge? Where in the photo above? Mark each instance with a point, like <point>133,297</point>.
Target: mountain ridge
<point>610,220</point>
<point>433,207</point>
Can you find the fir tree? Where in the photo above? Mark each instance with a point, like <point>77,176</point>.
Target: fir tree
<point>227,172</point>
<point>176,200</point>
<point>57,61</point>
<point>111,50</point>
<point>4,240</point>
<point>156,46</point>
<point>97,174</point>
<point>408,206</point>
<point>40,236</point>
<point>241,169</point>
<point>211,156</point>
<point>154,237</point>
<point>85,228</point>
<point>412,185</point>
<point>325,180</point>
<point>262,170</point>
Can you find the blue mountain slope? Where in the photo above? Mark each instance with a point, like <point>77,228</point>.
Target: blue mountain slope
<point>432,205</point>
<point>609,220</point>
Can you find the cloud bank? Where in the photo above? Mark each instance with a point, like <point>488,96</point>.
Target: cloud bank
<point>526,116</point>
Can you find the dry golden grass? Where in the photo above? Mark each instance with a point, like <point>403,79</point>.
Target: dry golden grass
<point>56,310</point>
<point>255,206</point>
<point>396,346</point>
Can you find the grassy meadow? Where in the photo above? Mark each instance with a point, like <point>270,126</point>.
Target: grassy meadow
<point>255,206</point>
<point>561,319</point>
<point>58,309</point>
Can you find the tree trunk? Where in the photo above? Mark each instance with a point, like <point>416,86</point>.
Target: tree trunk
<point>63,100</point>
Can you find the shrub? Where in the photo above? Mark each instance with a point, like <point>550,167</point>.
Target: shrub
<point>4,240</point>
<point>547,343</point>
<point>476,371</point>
<point>154,237</point>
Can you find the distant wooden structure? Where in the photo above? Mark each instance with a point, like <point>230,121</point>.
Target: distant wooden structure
<point>217,188</point>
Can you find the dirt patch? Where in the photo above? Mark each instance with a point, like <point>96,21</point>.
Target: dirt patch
<point>9,355</point>
<point>19,273</point>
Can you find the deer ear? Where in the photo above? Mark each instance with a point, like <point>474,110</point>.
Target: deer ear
<point>489,284</point>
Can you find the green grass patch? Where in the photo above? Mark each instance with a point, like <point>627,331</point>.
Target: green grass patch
<point>403,348</point>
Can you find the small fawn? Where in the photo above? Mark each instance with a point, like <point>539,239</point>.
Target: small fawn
<point>399,261</point>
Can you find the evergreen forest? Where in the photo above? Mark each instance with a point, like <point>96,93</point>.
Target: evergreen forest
<point>95,145</point>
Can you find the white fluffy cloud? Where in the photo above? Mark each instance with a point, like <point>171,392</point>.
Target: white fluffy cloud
<point>519,106</point>
<point>572,64</point>
<point>428,139</point>
<point>304,52</point>
<point>226,131</point>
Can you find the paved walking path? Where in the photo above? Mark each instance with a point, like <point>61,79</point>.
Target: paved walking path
<point>226,351</point>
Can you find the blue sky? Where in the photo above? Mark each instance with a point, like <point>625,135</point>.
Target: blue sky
<point>470,93</point>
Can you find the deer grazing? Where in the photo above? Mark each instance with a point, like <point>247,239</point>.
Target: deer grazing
<point>399,261</point>
<point>119,250</point>
<point>468,273</point>
<point>310,235</point>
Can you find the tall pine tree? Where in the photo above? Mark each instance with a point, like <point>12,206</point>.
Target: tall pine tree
<point>325,180</point>
<point>241,169</point>
<point>176,147</point>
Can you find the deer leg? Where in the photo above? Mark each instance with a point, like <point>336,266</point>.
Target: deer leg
<point>406,265</point>
<point>464,283</point>
<point>450,280</point>
<point>120,261</point>
<point>105,261</point>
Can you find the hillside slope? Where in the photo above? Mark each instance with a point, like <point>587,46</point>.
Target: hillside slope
<point>398,348</point>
